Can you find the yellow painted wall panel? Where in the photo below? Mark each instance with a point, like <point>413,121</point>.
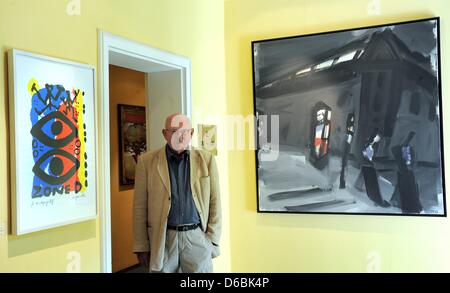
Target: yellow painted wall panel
<point>322,243</point>
<point>192,28</point>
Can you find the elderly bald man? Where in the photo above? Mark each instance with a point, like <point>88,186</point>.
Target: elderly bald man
<point>177,213</point>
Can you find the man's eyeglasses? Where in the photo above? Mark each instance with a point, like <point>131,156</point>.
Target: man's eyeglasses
<point>181,131</point>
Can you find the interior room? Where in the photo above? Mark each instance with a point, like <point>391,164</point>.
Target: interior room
<point>320,129</point>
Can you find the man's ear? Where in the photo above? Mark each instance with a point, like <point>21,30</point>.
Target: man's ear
<point>192,131</point>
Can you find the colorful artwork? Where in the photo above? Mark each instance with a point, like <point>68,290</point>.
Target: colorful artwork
<point>132,140</point>
<point>358,120</point>
<point>53,179</point>
<point>59,138</point>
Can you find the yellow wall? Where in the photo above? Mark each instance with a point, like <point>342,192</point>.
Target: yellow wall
<point>127,87</point>
<point>192,28</point>
<point>322,243</point>
<point>195,28</point>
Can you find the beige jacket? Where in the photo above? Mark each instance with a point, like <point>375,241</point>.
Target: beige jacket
<point>152,201</point>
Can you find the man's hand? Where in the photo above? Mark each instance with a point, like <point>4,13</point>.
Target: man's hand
<point>144,258</point>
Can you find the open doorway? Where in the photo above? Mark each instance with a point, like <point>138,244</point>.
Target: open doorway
<point>133,74</point>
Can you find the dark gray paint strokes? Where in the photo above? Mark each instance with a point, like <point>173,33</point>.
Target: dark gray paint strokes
<point>390,86</point>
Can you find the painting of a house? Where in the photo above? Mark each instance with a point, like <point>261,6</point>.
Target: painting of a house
<point>359,121</point>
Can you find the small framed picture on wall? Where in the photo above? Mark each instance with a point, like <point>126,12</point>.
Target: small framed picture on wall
<point>132,140</point>
<point>207,135</point>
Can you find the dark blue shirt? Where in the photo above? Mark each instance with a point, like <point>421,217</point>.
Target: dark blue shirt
<point>182,206</point>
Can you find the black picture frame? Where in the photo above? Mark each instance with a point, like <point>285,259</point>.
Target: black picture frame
<point>132,140</point>
<point>282,81</point>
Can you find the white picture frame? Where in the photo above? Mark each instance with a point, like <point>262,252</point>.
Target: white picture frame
<point>52,142</point>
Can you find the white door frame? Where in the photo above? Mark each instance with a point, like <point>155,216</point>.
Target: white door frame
<point>113,43</point>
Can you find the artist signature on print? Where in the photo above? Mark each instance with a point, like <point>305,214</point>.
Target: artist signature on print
<point>51,201</point>
<point>43,203</point>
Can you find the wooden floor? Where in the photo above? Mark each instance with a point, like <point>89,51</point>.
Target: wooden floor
<point>136,269</point>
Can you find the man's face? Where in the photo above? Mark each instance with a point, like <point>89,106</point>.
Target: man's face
<point>178,132</point>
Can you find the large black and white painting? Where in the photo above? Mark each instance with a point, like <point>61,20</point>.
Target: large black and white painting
<point>358,118</point>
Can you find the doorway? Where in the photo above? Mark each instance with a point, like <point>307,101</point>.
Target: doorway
<point>167,89</point>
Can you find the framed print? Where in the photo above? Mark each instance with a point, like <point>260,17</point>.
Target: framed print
<point>132,140</point>
<point>208,138</point>
<point>352,120</point>
<point>53,159</point>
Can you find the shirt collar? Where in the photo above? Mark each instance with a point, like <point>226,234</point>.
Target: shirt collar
<point>172,154</point>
